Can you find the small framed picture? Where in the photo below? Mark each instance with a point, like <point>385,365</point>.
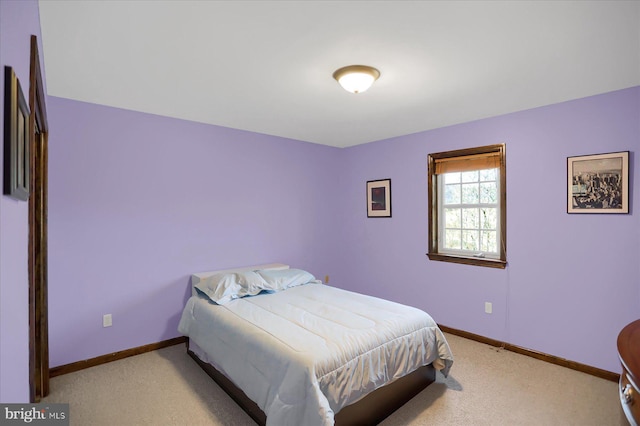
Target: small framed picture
<point>16,138</point>
<point>598,183</point>
<point>379,198</point>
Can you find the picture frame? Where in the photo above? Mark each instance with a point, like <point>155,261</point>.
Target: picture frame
<point>379,198</point>
<point>598,183</point>
<point>16,138</point>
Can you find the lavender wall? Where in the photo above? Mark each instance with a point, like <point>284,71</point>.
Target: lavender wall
<point>18,20</point>
<point>138,202</point>
<point>573,281</point>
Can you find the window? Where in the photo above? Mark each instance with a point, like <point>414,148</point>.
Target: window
<point>467,213</point>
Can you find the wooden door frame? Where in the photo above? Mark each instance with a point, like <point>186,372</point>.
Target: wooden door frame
<point>38,163</point>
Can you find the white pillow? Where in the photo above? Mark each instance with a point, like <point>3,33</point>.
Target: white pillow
<point>286,278</point>
<point>227,286</point>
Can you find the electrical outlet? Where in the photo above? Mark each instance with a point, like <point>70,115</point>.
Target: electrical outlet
<point>106,320</point>
<point>326,279</point>
<point>488,307</point>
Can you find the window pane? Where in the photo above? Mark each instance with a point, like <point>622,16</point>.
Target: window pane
<point>452,194</point>
<point>470,219</point>
<point>470,240</point>
<point>489,243</point>
<point>489,218</point>
<point>452,239</point>
<point>489,192</point>
<point>470,176</point>
<point>452,177</point>
<point>488,174</point>
<point>452,218</point>
<point>470,193</point>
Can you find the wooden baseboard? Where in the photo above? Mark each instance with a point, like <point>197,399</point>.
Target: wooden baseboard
<point>103,359</point>
<point>594,371</point>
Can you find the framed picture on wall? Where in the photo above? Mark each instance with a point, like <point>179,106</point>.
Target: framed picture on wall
<point>598,183</point>
<point>16,138</point>
<point>379,198</point>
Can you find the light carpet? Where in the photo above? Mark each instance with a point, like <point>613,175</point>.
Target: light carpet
<point>487,386</point>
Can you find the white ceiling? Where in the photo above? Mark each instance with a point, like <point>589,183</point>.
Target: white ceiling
<point>266,66</point>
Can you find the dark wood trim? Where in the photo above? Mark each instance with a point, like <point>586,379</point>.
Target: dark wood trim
<point>103,359</point>
<point>432,214</point>
<point>38,240</point>
<point>583,368</point>
<point>491,263</point>
<point>370,410</point>
<point>37,86</point>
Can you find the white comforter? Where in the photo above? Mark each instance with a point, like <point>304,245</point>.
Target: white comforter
<point>304,353</point>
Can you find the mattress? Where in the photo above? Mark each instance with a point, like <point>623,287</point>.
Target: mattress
<point>303,354</point>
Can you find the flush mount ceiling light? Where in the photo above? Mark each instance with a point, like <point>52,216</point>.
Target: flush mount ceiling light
<point>356,78</point>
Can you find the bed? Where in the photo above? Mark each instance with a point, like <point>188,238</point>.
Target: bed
<point>291,350</point>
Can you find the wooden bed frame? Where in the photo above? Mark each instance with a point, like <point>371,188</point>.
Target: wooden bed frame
<point>370,410</point>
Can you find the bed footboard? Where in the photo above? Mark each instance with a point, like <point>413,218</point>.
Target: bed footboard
<point>370,410</point>
<point>250,407</point>
<point>381,403</point>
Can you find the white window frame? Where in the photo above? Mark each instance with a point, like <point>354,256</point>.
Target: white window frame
<point>442,226</point>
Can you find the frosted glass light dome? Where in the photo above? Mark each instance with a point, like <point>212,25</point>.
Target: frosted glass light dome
<point>356,78</point>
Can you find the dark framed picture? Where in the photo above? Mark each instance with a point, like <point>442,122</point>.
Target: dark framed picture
<point>379,198</point>
<point>16,138</point>
<point>598,183</point>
